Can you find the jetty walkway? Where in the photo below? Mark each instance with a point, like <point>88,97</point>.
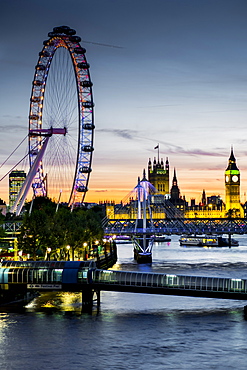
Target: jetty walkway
<point>82,276</point>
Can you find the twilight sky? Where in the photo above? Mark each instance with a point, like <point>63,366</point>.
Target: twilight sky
<point>178,78</point>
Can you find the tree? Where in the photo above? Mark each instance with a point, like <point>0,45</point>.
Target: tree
<point>84,227</point>
<point>233,213</point>
<point>34,233</point>
<point>45,228</point>
<point>2,231</point>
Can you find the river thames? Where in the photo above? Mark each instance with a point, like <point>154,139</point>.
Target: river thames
<point>135,331</point>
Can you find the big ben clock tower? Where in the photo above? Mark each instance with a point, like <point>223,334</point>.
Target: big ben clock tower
<point>232,188</point>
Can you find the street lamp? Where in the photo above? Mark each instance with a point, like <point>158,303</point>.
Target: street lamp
<point>19,254</point>
<point>85,251</point>
<point>48,253</point>
<point>68,248</point>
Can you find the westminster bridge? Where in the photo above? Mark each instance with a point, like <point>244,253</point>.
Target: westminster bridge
<point>177,226</point>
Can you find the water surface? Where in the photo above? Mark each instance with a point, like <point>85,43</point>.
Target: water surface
<point>135,331</point>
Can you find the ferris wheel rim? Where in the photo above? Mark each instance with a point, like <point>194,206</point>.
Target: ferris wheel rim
<point>64,37</point>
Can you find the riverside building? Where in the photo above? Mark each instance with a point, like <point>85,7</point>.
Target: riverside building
<point>164,197</point>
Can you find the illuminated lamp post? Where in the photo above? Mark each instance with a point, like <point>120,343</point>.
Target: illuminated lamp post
<point>48,254</point>
<point>85,251</point>
<point>111,239</point>
<point>68,248</point>
<point>113,249</point>
<point>96,248</point>
<point>20,255</point>
<point>105,240</point>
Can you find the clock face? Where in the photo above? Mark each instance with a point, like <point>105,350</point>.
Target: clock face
<point>227,178</point>
<point>235,178</point>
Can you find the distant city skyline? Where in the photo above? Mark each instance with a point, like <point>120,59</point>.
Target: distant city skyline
<point>176,77</point>
<point>197,194</point>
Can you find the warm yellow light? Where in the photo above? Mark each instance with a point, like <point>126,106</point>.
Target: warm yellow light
<point>84,244</point>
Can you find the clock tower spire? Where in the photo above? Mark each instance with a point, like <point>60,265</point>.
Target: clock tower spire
<point>232,188</point>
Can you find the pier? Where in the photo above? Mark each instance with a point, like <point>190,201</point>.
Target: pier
<point>82,276</point>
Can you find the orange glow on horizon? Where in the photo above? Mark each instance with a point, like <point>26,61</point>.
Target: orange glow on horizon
<point>117,188</point>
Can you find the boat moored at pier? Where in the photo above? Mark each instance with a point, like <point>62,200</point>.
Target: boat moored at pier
<point>207,241</point>
<point>162,239</point>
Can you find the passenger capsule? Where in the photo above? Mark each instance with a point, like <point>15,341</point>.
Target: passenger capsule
<point>40,67</point>
<point>34,151</point>
<point>85,169</point>
<point>86,84</point>
<point>36,185</point>
<point>44,53</point>
<point>52,34</point>
<point>61,29</point>
<point>34,117</point>
<point>81,189</point>
<point>75,39</point>
<point>48,42</point>
<point>88,126</point>
<point>87,104</point>
<point>80,51</point>
<point>83,65</point>
<point>57,29</point>
<point>35,99</point>
<point>38,83</point>
<point>87,148</point>
<point>70,32</point>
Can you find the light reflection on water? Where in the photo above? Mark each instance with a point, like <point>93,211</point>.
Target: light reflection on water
<point>167,258</point>
<point>135,331</point>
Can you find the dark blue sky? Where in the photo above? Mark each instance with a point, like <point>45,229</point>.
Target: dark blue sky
<point>178,79</point>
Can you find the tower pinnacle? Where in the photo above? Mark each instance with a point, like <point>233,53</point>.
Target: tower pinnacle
<point>232,187</point>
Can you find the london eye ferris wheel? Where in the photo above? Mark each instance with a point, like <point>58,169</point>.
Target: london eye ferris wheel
<point>61,119</point>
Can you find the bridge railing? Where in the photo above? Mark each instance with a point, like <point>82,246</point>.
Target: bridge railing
<point>180,226</point>
<point>137,279</point>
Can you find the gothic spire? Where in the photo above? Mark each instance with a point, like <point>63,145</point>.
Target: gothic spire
<point>232,162</point>
<point>144,175</point>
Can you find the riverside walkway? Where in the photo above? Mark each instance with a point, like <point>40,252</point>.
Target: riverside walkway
<point>17,277</point>
<point>167,284</point>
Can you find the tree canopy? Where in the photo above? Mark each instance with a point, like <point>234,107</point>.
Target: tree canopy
<point>48,230</point>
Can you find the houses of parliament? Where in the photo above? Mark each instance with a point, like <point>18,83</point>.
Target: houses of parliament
<point>167,199</point>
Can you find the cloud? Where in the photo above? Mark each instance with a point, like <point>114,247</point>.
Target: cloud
<point>126,134</point>
<point>12,128</point>
<point>198,152</point>
<point>168,147</point>
<point>158,106</point>
<point>12,117</point>
<point>175,149</point>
